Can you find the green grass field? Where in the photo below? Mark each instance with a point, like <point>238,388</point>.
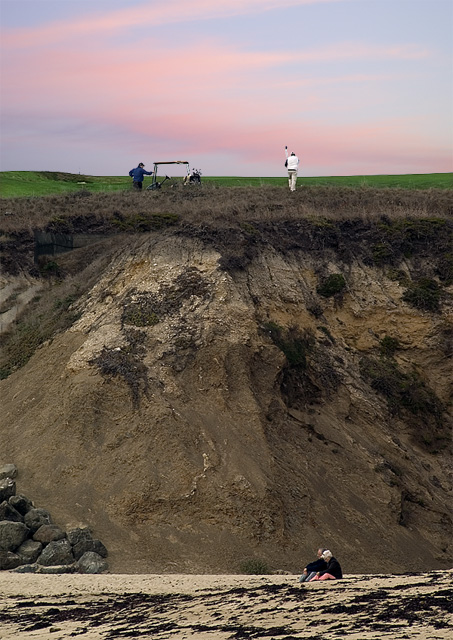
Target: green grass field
<point>39,183</point>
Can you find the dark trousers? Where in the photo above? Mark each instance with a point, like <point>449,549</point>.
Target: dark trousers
<point>137,185</point>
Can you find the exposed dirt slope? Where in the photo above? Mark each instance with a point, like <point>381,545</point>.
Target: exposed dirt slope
<point>236,417</point>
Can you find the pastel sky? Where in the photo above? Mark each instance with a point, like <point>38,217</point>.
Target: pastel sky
<point>354,87</point>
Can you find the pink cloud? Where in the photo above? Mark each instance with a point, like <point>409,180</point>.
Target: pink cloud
<point>362,51</point>
<point>70,76</point>
<point>384,147</point>
<point>367,148</point>
<point>105,91</point>
<point>227,104</point>
<point>170,11</point>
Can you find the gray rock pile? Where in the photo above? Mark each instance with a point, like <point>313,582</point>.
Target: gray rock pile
<point>31,543</point>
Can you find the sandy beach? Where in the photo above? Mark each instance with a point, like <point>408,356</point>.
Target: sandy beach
<point>225,607</point>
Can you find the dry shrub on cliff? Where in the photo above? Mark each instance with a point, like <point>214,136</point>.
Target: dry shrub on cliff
<point>235,220</point>
<point>127,363</point>
<point>309,373</point>
<point>255,567</point>
<point>87,212</point>
<point>424,294</point>
<point>409,397</point>
<point>387,223</point>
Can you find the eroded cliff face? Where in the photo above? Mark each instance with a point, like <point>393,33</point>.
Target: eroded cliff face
<point>204,416</point>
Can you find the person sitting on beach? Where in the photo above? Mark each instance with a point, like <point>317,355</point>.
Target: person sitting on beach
<point>333,570</point>
<point>313,567</point>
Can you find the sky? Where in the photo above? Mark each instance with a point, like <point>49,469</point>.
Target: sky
<point>353,87</point>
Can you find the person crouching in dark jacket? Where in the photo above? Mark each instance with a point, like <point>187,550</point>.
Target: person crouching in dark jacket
<point>313,567</point>
<point>333,570</point>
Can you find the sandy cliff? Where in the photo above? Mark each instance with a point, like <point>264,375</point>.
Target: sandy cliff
<point>210,405</point>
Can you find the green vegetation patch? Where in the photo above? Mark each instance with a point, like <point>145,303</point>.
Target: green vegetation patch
<point>61,176</point>
<point>445,269</point>
<point>411,236</point>
<point>309,372</point>
<point>49,268</point>
<point>397,275</point>
<point>36,183</point>
<point>292,343</point>
<point>139,311</point>
<point>407,395</point>
<point>249,228</point>
<point>388,346</point>
<point>326,332</point>
<point>143,222</point>
<point>255,567</point>
<point>425,294</point>
<point>401,390</point>
<point>382,253</point>
<point>333,285</point>
<point>39,183</point>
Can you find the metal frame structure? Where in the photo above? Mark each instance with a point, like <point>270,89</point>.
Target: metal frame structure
<point>154,184</point>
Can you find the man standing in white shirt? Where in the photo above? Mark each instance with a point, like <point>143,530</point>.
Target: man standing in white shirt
<point>292,164</point>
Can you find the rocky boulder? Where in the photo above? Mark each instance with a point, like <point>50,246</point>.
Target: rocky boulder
<point>48,533</point>
<point>7,488</point>
<point>9,560</point>
<point>29,551</point>
<point>12,534</point>
<point>8,512</point>
<point>57,552</point>
<point>35,518</point>
<point>8,471</point>
<point>30,543</point>
<point>94,546</point>
<point>77,535</point>
<point>92,562</point>
<point>21,504</point>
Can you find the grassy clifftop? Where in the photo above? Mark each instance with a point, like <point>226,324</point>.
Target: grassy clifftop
<point>38,183</point>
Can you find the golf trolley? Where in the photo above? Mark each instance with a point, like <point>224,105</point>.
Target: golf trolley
<point>193,178</point>
<point>155,184</point>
